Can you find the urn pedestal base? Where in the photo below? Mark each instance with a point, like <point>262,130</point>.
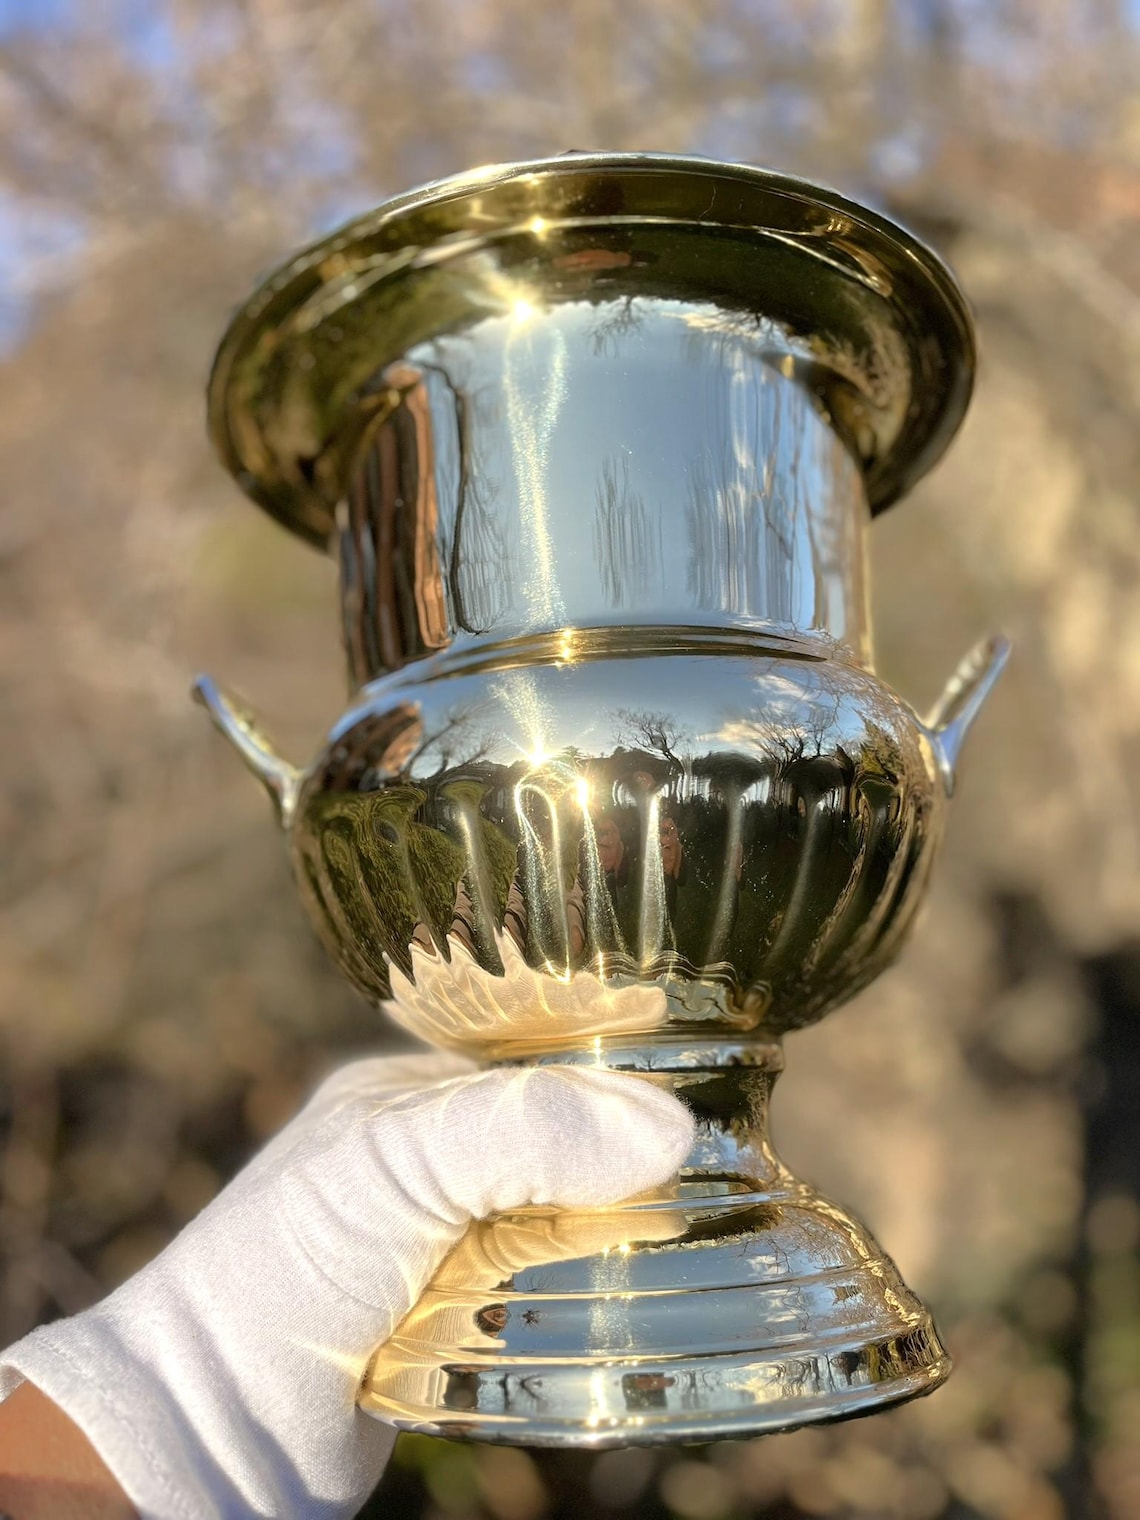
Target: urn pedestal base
<point>735,1303</point>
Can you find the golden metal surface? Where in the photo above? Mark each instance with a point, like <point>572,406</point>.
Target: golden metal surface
<point>864,315</point>
<point>597,441</point>
<point>735,1302</point>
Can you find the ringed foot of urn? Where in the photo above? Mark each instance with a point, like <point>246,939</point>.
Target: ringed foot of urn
<point>736,1302</point>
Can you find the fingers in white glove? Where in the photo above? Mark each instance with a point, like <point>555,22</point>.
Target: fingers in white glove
<point>578,1137</point>
<point>220,1381</point>
<point>494,1250</point>
<point>380,1192</point>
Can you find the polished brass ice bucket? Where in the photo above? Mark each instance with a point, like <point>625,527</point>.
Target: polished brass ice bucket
<point>597,441</point>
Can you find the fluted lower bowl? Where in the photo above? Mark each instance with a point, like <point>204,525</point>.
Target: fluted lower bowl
<point>719,833</point>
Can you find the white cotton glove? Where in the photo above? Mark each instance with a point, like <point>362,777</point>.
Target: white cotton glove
<point>220,1381</point>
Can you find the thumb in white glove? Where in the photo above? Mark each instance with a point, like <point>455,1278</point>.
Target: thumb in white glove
<point>220,1381</point>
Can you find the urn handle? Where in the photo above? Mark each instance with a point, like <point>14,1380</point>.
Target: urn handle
<point>280,779</point>
<point>952,716</point>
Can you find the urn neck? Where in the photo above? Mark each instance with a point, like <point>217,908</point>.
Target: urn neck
<point>631,462</point>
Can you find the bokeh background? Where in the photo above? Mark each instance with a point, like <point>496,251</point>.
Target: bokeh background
<point>163,1004</point>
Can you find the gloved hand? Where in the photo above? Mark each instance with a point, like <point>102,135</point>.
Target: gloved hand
<point>220,1381</point>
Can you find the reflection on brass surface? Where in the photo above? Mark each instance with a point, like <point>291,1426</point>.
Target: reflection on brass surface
<point>737,1301</point>
<point>597,442</point>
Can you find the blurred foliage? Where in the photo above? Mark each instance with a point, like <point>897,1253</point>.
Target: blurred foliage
<point>163,1006</point>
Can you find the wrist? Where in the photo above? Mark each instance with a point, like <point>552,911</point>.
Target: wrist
<point>48,1468</point>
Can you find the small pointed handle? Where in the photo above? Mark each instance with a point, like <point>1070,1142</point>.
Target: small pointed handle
<point>953,715</point>
<point>280,779</point>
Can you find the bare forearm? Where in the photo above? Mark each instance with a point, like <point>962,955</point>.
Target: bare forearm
<point>48,1468</point>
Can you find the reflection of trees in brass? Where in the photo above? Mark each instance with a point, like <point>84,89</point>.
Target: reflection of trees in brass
<point>611,870</point>
<point>690,882</point>
<point>482,892</point>
<point>459,740</point>
<point>835,549</point>
<point>825,693</point>
<point>399,866</point>
<point>797,862</point>
<point>784,868</point>
<point>383,746</point>
<point>394,744</point>
<point>770,527</point>
<point>658,732</point>
<point>615,321</point>
<point>627,549</point>
<point>378,876</point>
<point>742,522</point>
<point>424,552</point>
<point>827,880</point>
<point>397,608</point>
<point>546,913</point>
<point>726,549</point>
<point>481,553</point>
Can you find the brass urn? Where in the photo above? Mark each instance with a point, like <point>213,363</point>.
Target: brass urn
<point>597,441</point>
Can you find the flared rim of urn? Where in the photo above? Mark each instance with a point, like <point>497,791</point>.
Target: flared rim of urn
<point>861,273</point>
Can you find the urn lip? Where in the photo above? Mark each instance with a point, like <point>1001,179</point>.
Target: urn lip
<point>887,306</point>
